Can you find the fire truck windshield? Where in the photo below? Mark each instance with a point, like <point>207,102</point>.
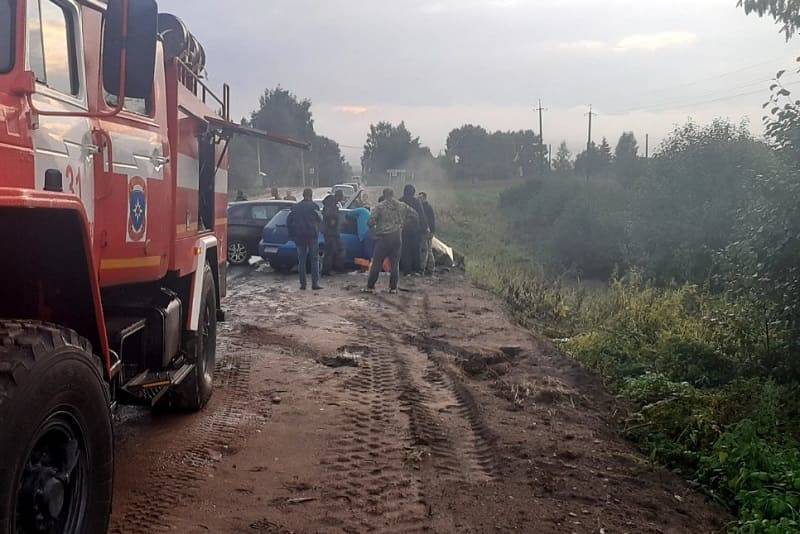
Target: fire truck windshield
<point>6,35</point>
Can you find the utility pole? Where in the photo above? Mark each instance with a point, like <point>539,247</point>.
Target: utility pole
<point>540,109</point>
<point>303,165</point>
<point>549,158</point>
<point>647,146</point>
<point>258,155</point>
<point>589,146</point>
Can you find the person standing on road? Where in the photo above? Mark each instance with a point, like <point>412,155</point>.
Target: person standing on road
<point>275,194</point>
<point>386,222</point>
<point>290,196</point>
<point>427,261</point>
<point>303,225</point>
<point>332,260</point>
<point>412,233</point>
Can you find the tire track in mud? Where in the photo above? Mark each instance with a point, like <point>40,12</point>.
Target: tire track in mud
<point>444,412</point>
<point>178,473</point>
<point>409,423</point>
<point>442,422</point>
<point>473,438</point>
<point>372,488</point>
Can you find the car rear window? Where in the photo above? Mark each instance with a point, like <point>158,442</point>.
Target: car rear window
<point>265,212</point>
<point>279,219</point>
<point>236,212</point>
<point>6,35</point>
<point>345,189</point>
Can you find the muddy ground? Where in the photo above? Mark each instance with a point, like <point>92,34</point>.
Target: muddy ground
<point>427,411</point>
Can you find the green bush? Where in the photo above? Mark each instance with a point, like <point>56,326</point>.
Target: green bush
<point>757,473</point>
<point>669,221</point>
<point>569,225</point>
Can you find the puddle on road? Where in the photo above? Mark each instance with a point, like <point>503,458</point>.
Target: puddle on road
<point>347,356</point>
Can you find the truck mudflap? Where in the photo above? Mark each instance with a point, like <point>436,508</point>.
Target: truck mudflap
<point>205,245</point>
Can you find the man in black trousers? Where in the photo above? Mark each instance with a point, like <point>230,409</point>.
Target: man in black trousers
<point>303,224</point>
<point>427,260</point>
<point>412,233</point>
<point>332,260</point>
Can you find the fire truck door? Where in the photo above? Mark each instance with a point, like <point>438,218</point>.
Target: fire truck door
<point>63,144</point>
<point>134,189</point>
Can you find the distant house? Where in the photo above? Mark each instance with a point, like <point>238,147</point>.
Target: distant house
<point>402,176</point>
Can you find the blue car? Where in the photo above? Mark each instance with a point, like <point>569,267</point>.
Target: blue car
<point>281,252</point>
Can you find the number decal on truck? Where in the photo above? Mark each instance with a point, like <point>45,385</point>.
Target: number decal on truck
<point>74,181</point>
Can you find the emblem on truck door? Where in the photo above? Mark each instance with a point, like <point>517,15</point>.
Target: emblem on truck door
<point>137,209</point>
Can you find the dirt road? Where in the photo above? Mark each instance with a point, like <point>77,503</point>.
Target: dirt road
<point>426,411</point>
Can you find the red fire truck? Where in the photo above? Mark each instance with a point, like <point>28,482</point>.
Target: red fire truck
<point>113,197</point>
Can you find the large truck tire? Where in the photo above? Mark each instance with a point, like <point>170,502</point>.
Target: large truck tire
<point>201,347</point>
<point>56,438</point>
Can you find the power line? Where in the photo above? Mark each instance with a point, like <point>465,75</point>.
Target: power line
<point>713,100</point>
<point>712,77</point>
<point>714,93</point>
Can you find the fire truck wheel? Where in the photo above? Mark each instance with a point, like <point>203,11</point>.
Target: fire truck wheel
<point>56,442</point>
<point>196,389</point>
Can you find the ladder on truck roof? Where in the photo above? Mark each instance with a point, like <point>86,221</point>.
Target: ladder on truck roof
<point>226,129</point>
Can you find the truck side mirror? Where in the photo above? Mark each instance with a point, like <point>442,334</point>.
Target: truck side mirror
<point>130,34</point>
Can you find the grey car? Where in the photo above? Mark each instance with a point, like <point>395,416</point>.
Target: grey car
<point>246,220</point>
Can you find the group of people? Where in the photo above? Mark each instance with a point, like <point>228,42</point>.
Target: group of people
<point>276,196</point>
<point>402,231</point>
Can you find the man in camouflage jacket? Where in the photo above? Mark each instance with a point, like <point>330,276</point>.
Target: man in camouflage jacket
<point>386,222</point>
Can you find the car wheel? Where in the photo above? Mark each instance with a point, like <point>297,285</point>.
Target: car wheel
<point>237,253</point>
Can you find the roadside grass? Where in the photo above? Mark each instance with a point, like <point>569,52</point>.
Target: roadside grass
<point>471,222</point>
<point>716,399</point>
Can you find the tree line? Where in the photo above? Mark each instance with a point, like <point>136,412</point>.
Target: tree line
<point>282,113</point>
<point>391,150</point>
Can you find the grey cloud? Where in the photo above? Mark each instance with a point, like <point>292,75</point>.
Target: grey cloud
<point>471,54</point>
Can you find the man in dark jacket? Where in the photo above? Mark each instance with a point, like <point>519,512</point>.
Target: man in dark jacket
<point>303,225</point>
<point>427,260</point>
<point>331,229</point>
<point>412,233</point>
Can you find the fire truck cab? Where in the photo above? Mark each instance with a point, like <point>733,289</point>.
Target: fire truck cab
<point>113,198</point>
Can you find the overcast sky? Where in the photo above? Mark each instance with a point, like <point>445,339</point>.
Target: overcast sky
<point>645,65</point>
